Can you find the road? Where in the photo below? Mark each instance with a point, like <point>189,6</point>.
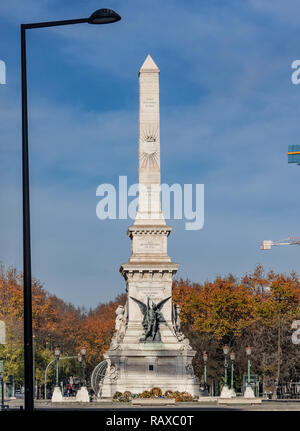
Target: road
<point>266,405</point>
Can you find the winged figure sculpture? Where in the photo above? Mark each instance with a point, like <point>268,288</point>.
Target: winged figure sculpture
<point>152,317</point>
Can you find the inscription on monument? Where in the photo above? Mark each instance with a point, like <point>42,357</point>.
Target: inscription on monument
<point>151,292</point>
<point>149,245</point>
<point>149,102</point>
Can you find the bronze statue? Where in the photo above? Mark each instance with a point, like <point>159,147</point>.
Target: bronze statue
<point>152,317</point>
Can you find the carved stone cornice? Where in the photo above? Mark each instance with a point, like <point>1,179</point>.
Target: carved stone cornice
<point>128,270</point>
<point>148,230</point>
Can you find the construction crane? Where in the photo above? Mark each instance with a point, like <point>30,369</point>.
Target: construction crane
<point>293,157</point>
<point>268,244</point>
<point>294,154</point>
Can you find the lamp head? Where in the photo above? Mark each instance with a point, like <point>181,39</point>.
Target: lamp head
<point>205,357</point>
<point>226,349</point>
<point>248,350</point>
<point>232,356</point>
<point>57,352</point>
<point>104,16</point>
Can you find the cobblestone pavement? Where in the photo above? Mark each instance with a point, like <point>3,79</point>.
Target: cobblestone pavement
<point>286,405</point>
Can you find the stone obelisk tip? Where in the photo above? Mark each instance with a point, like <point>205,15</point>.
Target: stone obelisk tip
<point>149,65</point>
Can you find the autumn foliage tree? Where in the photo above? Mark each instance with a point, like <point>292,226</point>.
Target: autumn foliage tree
<point>256,310</point>
<point>55,323</point>
<point>97,329</point>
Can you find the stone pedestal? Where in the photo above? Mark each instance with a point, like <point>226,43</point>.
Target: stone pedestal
<point>146,368</point>
<point>233,394</point>
<point>226,392</point>
<point>249,392</point>
<point>57,395</point>
<point>136,364</point>
<point>83,395</point>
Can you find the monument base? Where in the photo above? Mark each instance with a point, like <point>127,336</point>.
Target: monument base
<point>226,392</point>
<point>83,395</point>
<point>233,394</point>
<point>142,370</point>
<point>57,395</point>
<point>249,392</point>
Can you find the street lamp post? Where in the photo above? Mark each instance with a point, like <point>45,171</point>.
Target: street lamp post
<point>82,394</point>
<point>82,363</point>
<point>248,353</point>
<point>205,357</point>
<point>101,16</point>
<point>2,383</point>
<point>57,355</point>
<point>46,371</point>
<point>232,358</point>
<point>79,357</point>
<point>249,391</point>
<point>226,392</point>
<point>45,384</point>
<point>57,394</point>
<point>225,351</point>
<point>83,353</point>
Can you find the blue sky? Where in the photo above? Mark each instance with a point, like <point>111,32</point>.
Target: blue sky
<point>228,113</point>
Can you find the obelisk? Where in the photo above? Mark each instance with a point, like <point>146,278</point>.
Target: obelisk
<point>149,205</point>
<point>148,348</point>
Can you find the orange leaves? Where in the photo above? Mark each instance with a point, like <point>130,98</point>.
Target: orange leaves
<point>97,329</point>
<point>11,294</point>
<point>56,322</point>
<point>227,305</point>
<point>282,300</point>
<point>228,310</point>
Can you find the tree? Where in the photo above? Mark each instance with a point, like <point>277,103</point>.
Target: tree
<point>256,310</point>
